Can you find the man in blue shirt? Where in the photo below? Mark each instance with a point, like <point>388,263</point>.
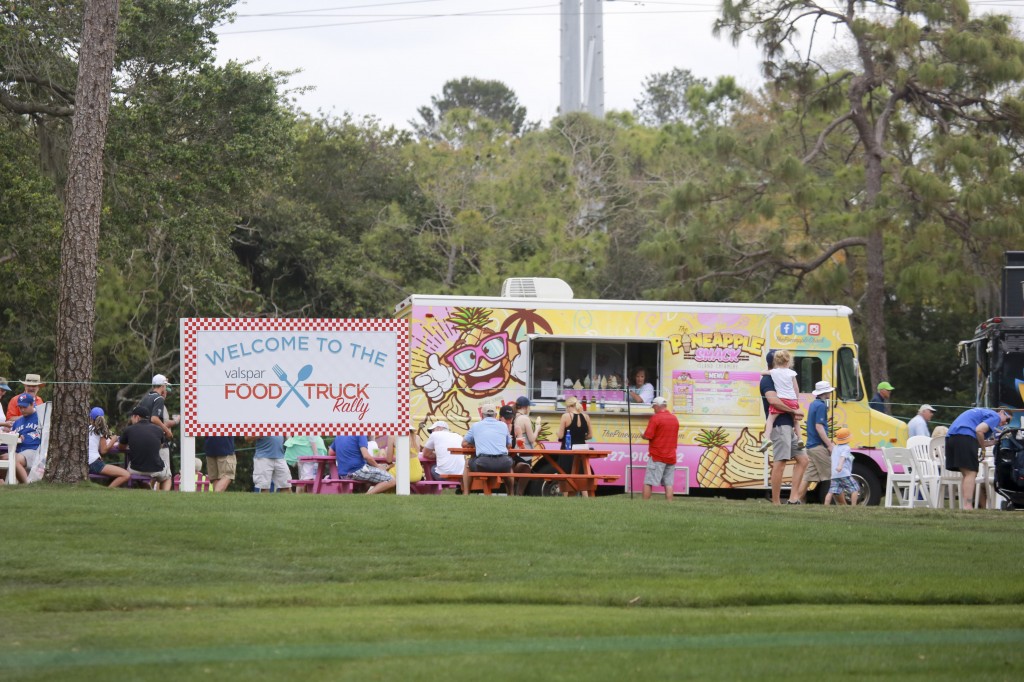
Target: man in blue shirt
<point>966,437</point>
<point>355,461</point>
<point>269,470</point>
<point>491,438</point>
<point>785,443</point>
<point>819,445</point>
<point>880,400</point>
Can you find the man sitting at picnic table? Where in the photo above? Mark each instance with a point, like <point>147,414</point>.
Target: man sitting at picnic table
<point>143,440</point>
<point>356,462</point>
<point>491,438</point>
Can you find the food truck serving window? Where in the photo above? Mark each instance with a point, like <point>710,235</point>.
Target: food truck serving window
<point>558,365</point>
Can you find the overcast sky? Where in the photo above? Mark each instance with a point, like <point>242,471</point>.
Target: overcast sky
<point>386,58</point>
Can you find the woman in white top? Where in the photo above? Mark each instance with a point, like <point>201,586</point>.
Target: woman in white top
<point>641,391</point>
<point>100,441</point>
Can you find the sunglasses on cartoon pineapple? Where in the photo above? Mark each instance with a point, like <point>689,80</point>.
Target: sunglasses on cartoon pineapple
<point>466,359</point>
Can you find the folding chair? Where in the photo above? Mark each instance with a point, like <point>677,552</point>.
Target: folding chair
<point>950,482</point>
<point>11,441</point>
<point>901,485</point>
<point>925,469</point>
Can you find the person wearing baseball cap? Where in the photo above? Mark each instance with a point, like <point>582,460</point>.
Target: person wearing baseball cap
<point>100,442</point>
<point>142,439</point>
<point>31,382</point>
<point>880,401</point>
<point>919,424</point>
<point>154,403</point>
<point>438,448</point>
<point>974,430</point>
<point>662,435</point>
<point>819,461</point>
<point>491,439</point>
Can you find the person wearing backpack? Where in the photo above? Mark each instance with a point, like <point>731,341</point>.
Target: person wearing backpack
<point>967,434</point>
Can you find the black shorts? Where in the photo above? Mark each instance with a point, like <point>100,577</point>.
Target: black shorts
<point>962,453</point>
<point>492,464</point>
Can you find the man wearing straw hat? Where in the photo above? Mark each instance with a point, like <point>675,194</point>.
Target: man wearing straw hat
<point>31,383</point>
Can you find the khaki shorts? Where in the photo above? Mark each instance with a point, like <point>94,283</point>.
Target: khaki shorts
<point>155,475</point>
<point>221,467</point>
<point>784,444</point>
<point>819,463</point>
<point>266,470</point>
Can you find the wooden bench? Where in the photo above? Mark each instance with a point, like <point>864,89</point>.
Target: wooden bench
<point>488,482</point>
<point>426,487</point>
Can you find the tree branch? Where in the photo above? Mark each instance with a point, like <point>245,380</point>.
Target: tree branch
<point>17,107</point>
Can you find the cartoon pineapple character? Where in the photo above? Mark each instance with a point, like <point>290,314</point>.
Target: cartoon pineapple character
<point>480,356</point>
<point>713,459</point>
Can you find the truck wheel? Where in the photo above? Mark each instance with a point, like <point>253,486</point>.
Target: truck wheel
<point>870,483</point>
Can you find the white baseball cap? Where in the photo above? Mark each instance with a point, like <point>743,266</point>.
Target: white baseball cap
<point>438,425</point>
<point>926,407</point>
<point>659,401</point>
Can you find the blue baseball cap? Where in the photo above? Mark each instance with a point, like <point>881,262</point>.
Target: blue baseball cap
<point>24,400</point>
<point>95,413</point>
<point>3,384</point>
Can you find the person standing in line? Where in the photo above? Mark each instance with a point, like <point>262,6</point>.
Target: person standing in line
<point>641,391</point>
<point>142,441</point>
<point>220,461</point>
<point>966,437</point>
<point>575,424</point>
<point>880,400</point>
<point>100,441</point>
<point>269,470</point>
<point>662,434</point>
<point>355,461</point>
<point>154,403</point>
<point>842,471</point>
<point>819,461</point>
<point>304,446</point>
<point>919,425</point>
<point>785,442</point>
<point>491,440</point>
<point>32,384</point>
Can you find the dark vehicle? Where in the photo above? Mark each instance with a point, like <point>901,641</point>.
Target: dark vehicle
<point>1009,468</point>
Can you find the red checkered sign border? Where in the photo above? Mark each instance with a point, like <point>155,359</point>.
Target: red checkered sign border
<point>191,327</point>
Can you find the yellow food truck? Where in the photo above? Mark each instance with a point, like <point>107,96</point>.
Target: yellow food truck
<point>706,359</point>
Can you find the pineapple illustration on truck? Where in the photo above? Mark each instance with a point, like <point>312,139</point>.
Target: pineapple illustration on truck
<point>537,340</point>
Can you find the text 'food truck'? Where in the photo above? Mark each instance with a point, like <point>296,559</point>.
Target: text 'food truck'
<point>705,358</point>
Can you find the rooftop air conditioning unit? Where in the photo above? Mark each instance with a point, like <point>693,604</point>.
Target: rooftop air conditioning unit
<point>535,287</point>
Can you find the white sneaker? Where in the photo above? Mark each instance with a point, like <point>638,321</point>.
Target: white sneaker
<point>764,446</point>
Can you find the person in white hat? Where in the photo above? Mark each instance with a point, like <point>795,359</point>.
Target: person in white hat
<point>819,445</point>
<point>31,382</point>
<point>153,403</point>
<point>919,425</point>
<point>438,448</point>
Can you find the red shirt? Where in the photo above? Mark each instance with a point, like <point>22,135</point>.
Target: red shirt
<point>13,411</point>
<point>663,433</point>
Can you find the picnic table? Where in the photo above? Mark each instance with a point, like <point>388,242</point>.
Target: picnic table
<point>327,480</point>
<point>581,477</point>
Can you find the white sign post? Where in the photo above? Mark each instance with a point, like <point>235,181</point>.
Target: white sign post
<point>261,377</point>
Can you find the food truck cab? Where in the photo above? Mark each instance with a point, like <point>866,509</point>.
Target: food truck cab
<point>707,359</point>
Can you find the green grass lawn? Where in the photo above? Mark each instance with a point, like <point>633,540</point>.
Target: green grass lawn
<point>101,584</point>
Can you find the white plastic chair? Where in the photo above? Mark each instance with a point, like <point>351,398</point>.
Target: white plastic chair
<point>11,441</point>
<point>986,480</point>
<point>950,482</point>
<point>925,470</point>
<point>902,486</point>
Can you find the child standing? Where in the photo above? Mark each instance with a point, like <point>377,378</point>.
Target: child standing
<point>842,470</point>
<point>784,378</point>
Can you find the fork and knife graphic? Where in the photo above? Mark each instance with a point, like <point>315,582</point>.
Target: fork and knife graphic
<point>304,373</point>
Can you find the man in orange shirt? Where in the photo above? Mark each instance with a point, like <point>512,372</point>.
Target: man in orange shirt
<point>32,384</point>
<point>662,432</point>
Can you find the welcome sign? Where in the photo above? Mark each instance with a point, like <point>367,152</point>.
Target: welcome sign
<point>257,377</point>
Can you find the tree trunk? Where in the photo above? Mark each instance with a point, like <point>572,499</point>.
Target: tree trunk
<point>76,302</point>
